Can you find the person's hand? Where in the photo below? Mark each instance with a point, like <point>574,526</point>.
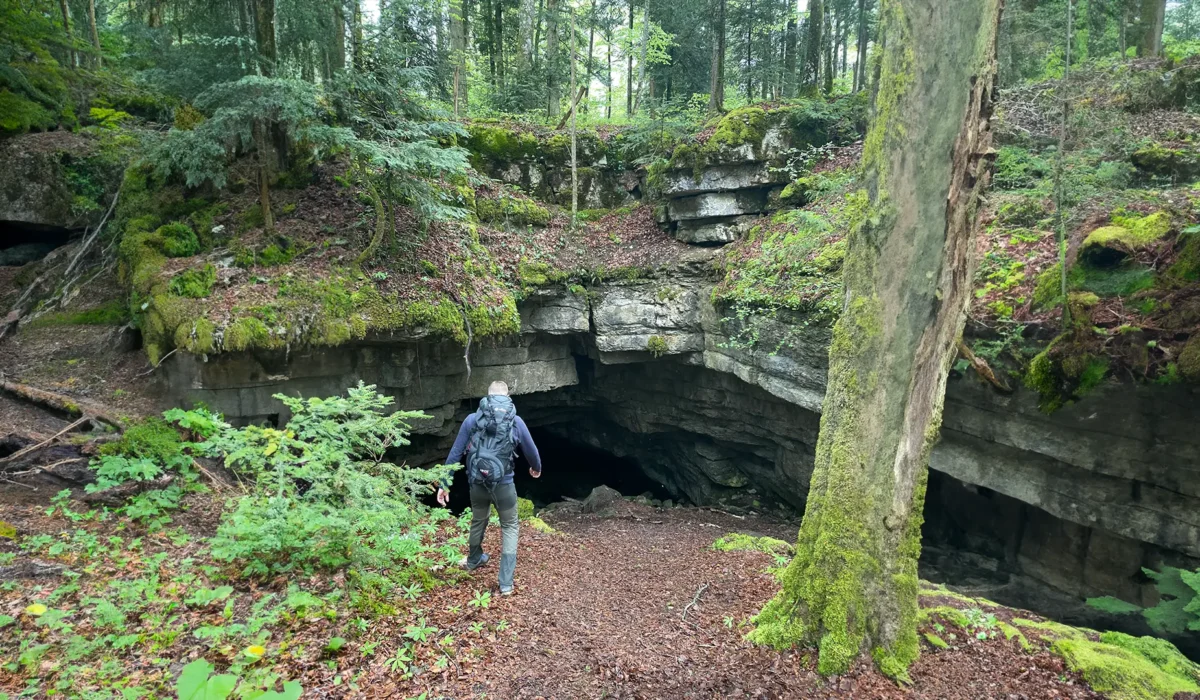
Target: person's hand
<point>536,475</point>
<point>443,497</point>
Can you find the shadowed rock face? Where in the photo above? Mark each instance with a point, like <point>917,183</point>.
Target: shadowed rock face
<point>1078,500</point>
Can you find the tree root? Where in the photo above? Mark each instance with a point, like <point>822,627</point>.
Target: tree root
<point>982,368</point>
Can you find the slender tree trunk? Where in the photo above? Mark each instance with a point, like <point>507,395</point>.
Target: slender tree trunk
<point>830,65</point>
<point>66,15</point>
<point>356,37</point>
<point>589,69</point>
<point>860,61</point>
<point>643,52</point>
<point>95,32</point>
<point>500,68</point>
<point>264,176</point>
<point>1151,19</point>
<point>552,97</point>
<point>852,587</point>
<point>574,140</point>
<point>629,67</point>
<point>458,57</point>
<point>1122,37</point>
<point>812,45</point>
<point>537,30</point>
<point>789,58</point>
<point>749,54</point>
<point>608,42</point>
<point>716,85</point>
<point>1059,165</point>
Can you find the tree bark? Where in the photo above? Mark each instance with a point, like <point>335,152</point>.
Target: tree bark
<point>356,37</point>
<point>716,85</point>
<point>1150,20</point>
<point>337,52</point>
<point>66,15</point>
<point>589,68</point>
<point>458,56</point>
<point>860,61</point>
<point>527,21</point>
<point>812,46</point>
<point>643,52</point>
<point>852,587</point>
<point>608,42</point>
<point>264,35</point>
<point>629,68</point>
<point>552,96</point>
<point>95,32</point>
<point>789,49</point>
<point>574,135</point>
<point>830,65</point>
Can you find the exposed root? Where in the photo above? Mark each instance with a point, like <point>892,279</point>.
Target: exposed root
<point>981,367</point>
<point>61,403</point>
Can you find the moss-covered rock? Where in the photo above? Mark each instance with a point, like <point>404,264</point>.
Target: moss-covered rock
<point>737,541</point>
<point>1121,673</point>
<point>515,211</point>
<point>1130,234</point>
<point>496,142</point>
<point>196,283</point>
<point>1175,164</point>
<point>1189,360</point>
<point>524,509</point>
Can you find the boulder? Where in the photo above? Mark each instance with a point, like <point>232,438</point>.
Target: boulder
<point>602,499</point>
<point>713,231</point>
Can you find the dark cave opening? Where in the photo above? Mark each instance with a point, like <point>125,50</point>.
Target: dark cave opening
<point>23,243</point>
<point>569,470</point>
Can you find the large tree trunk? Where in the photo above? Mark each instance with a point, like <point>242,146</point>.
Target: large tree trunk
<point>789,49</point>
<point>716,85</point>
<point>812,46</point>
<point>337,51</point>
<point>852,587</point>
<point>860,62</point>
<point>829,38</point>
<point>1150,27</point>
<point>264,35</point>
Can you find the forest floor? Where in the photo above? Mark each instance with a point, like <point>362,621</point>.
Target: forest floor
<point>632,604</point>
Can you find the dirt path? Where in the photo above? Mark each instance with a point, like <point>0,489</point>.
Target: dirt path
<point>599,613</point>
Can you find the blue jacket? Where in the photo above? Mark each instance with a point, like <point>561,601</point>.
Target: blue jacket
<point>520,431</point>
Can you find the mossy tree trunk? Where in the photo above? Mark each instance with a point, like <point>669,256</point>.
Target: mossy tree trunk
<point>852,587</point>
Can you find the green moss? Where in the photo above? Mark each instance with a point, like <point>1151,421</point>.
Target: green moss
<point>245,333</point>
<point>1189,360</point>
<point>1011,632</point>
<point>277,254</point>
<point>657,346</point>
<point>540,525</point>
<point>946,613</point>
<point>935,641</point>
<point>1125,279</point>
<point>1187,261</point>
<point>1119,673</point>
<point>19,114</point>
<point>742,126</point>
<point>113,313</point>
<point>1160,161</point>
<point>538,274</point>
<point>736,541</point>
<point>498,143</point>
<point>524,509</point>
<point>515,211</point>
<point>1159,652</point>
<point>1131,234</point>
<point>152,438</point>
<point>195,283</point>
<point>1023,211</point>
<point>178,240</point>
<point>1050,629</point>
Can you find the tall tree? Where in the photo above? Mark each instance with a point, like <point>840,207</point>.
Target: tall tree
<point>66,15</point>
<point>1150,27</point>
<point>629,66</point>
<point>552,68</point>
<point>860,60</point>
<point>852,587</point>
<point>812,45</point>
<point>95,32</point>
<point>458,56</point>
<point>528,18</point>
<point>789,59</point>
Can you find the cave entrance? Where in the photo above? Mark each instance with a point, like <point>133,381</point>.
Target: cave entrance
<point>24,243</point>
<point>569,470</point>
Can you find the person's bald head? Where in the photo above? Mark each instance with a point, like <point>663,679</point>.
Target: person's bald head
<point>497,388</point>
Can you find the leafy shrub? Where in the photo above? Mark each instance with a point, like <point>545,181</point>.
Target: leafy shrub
<point>323,495</point>
<point>1018,168</point>
<point>1177,612</point>
<point>152,438</point>
<point>178,240</point>
<point>1022,211</point>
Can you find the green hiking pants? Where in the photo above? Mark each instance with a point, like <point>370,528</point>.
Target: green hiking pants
<point>504,497</point>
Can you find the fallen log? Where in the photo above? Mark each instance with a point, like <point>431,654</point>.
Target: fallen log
<point>26,450</point>
<point>61,403</point>
<point>31,568</point>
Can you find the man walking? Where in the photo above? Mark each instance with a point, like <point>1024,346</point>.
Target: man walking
<point>489,438</point>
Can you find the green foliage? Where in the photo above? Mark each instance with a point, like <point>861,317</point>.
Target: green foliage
<point>1130,234</point>
<point>178,240</point>
<point>197,682</point>
<point>1178,610</point>
<point>195,283</point>
<point>322,495</point>
<point>657,346</point>
<point>1018,168</point>
<point>152,438</point>
<point>524,509</point>
<point>19,114</point>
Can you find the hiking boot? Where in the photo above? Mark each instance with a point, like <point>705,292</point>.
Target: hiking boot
<point>506,591</point>
<point>482,560</point>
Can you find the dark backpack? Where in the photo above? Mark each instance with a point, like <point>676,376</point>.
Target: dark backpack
<point>490,448</point>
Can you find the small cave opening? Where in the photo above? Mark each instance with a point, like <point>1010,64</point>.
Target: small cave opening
<point>24,243</point>
<point>570,469</point>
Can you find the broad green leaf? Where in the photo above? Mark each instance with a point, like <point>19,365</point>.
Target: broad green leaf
<point>195,682</point>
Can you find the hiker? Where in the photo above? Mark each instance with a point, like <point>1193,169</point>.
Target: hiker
<point>489,438</point>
